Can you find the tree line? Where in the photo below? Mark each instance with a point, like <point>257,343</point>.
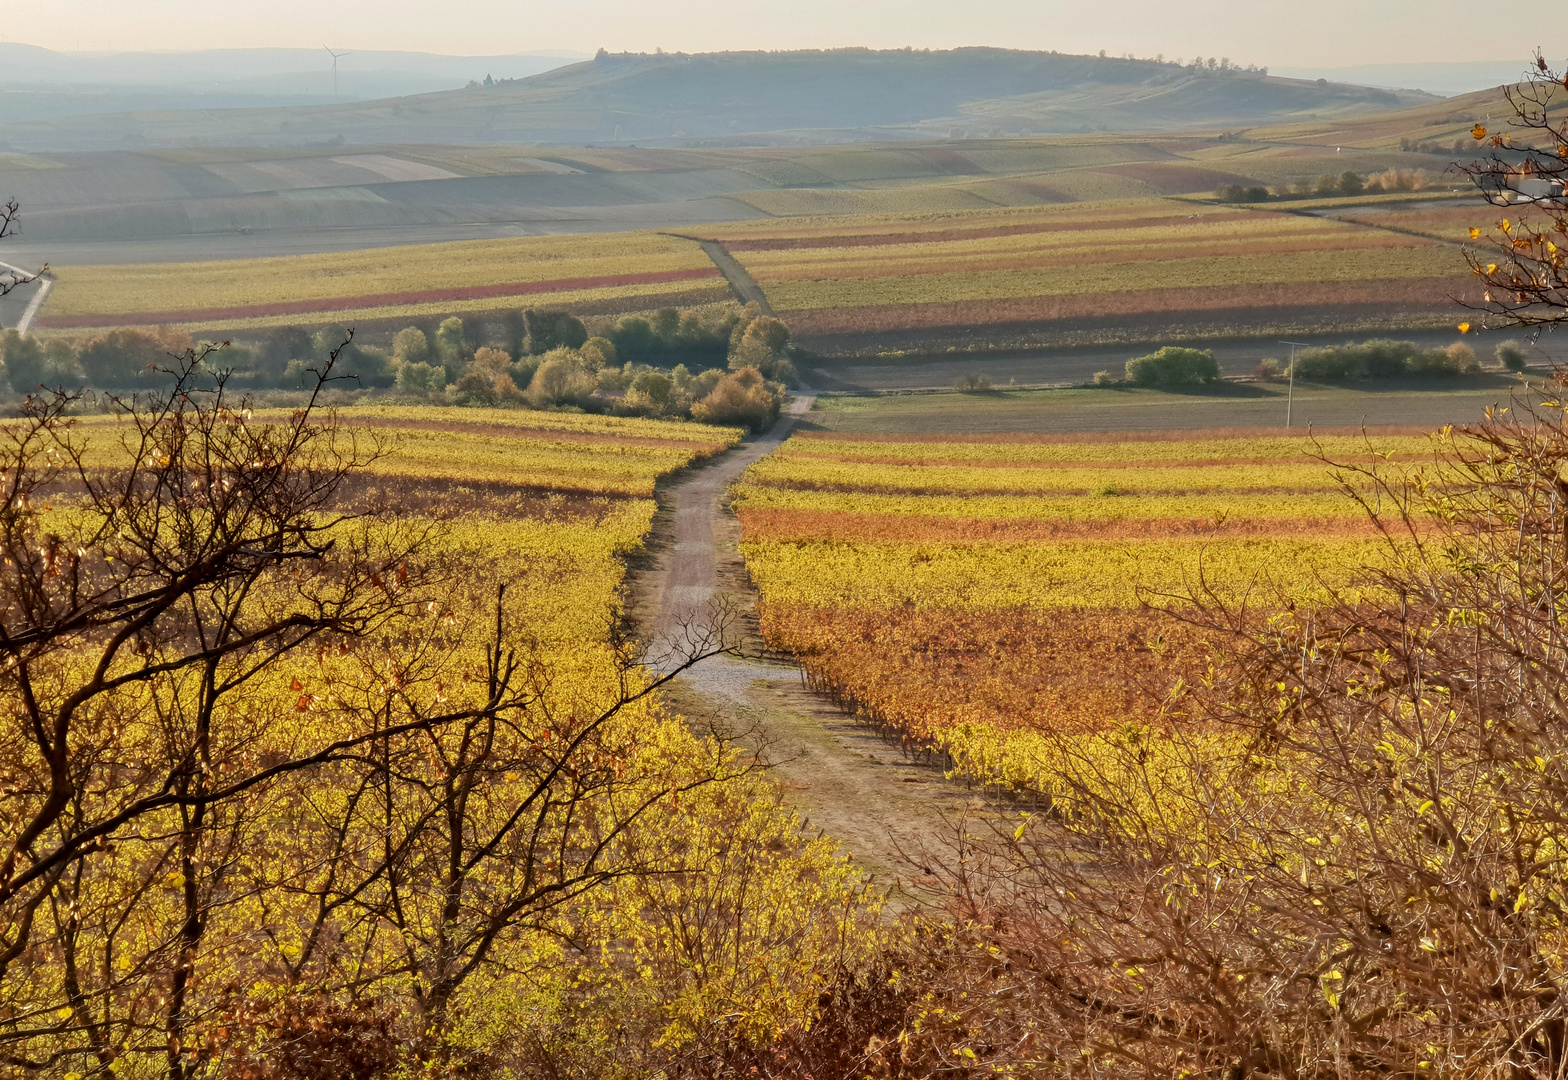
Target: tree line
<point>728,368</point>
<point>1345,184</point>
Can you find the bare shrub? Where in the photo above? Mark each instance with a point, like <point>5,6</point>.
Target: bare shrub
<point>1515,256</point>
<point>305,1036</point>
<point>1335,855</point>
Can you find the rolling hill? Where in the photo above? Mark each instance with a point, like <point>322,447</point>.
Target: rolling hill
<point>730,98</point>
<point>43,85</point>
<point>1435,123</point>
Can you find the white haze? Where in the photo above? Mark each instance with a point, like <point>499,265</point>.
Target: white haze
<point>1276,33</point>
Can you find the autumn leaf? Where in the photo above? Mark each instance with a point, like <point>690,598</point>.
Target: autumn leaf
<point>297,685</point>
<point>303,704</point>
<point>1479,132</point>
<point>1464,328</point>
<point>1475,234</point>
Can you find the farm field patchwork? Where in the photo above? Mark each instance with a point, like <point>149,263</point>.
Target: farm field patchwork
<point>542,452</point>
<point>1129,258</point>
<point>1084,413</point>
<point>982,595</point>
<point>414,281</point>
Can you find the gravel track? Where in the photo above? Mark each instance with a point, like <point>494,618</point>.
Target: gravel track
<point>892,814</point>
<point>746,288</point>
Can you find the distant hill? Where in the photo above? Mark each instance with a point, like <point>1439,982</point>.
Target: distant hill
<point>40,84</point>
<point>740,98</point>
<point>1441,126</point>
<point>1446,79</point>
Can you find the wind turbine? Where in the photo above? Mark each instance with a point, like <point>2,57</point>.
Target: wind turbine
<point>335,56</point>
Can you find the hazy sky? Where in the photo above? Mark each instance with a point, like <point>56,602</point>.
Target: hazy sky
<point>1266,32</point>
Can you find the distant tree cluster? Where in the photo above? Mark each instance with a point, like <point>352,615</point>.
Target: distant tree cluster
<point>1243,193</point>
<point>1220,65</point>
<point>1348,183</point>
<point>1380,358</point>
<point>1174,366</point>
<point>1457,148</point>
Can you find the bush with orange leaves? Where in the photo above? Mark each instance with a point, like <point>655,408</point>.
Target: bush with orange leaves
<point>1519,257</point>
<point>742,398</point>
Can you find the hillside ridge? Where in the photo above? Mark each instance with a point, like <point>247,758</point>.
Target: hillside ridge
<point>747,97</point>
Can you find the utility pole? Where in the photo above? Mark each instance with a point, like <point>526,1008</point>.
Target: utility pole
<point>1290,396</point>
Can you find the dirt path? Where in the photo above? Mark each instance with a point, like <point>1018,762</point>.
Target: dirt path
<point>743,283</point>
<point>844,779</point>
